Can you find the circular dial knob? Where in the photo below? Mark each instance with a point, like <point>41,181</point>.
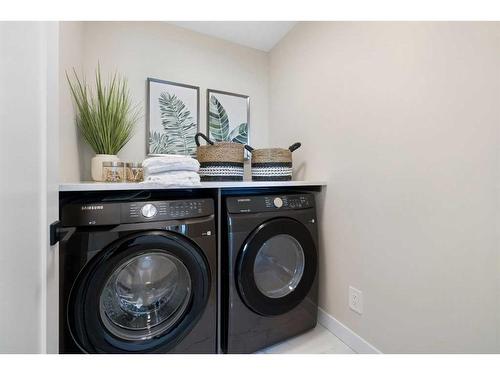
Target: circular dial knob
<point>148,210</point>
<point>278,202</point>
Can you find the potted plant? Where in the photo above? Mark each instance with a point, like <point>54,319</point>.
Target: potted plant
<point>105,116</point>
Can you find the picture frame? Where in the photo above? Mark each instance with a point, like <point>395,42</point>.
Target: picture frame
<point>228,117</point>
<point>172,117</point>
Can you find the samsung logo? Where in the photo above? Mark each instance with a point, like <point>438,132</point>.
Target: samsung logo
<point>92,208</point>
<point>244,200</point>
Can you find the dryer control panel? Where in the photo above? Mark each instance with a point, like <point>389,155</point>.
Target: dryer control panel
<point>107,213</point>
<point>266,203</point>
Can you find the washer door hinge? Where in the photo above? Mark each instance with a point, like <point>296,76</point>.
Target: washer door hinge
<point>58,233</point>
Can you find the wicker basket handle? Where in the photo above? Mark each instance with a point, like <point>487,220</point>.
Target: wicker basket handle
<point>295,146</point>
<point>197,139</point>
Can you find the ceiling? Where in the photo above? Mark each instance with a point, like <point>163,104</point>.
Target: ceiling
<point>261,35</point>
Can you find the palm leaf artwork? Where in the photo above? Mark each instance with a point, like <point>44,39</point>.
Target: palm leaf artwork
<point>157,142</point>
<point>218,125</point>
<point>239,134</point>
<point>179,127</point>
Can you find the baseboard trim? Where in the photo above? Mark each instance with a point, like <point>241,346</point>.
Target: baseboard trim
<point>344,333</point>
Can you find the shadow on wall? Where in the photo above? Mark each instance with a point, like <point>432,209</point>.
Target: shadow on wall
<point>299,172</point>
<point>86,155</point>
<point>320,212</point>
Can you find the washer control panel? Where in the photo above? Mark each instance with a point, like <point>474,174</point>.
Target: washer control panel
<point>115,213</point>
<point>266,203</point>
<point>166,210</point>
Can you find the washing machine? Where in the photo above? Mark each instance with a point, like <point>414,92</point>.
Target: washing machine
<point>138,277</point>
<point>270,273</point>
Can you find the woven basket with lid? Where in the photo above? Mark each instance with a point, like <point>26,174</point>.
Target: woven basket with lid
<point>220,161</point>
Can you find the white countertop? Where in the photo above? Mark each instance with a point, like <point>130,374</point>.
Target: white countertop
<point>107,186</point>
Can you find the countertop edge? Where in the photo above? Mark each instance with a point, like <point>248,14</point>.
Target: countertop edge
<point>103,186</point>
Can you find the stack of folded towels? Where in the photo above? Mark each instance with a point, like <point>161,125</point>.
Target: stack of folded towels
<point>172,170</point>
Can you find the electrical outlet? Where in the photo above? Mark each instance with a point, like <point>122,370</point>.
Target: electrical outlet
<point>356,300</point>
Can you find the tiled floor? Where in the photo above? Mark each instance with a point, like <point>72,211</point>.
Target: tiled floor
<point>317,341</point>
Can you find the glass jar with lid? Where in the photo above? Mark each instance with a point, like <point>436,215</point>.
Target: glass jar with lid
<point>113,171</point>
<point>134,172</point>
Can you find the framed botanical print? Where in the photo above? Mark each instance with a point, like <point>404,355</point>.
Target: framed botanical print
<point>228,116</point>
<point>172,119</point>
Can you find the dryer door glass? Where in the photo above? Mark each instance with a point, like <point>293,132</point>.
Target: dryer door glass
<point>279,266</point>
<point>145,296</point>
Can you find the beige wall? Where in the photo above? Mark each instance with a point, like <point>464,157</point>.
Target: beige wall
<point>70,146</point>
<point>402,121</point>
<point>156,49</point>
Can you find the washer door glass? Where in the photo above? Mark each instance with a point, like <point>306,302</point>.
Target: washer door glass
<point>279,266</point>
<point>145,296</point>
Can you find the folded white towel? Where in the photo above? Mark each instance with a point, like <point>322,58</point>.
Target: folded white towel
<point>174,178</point>
<point>166,163</point>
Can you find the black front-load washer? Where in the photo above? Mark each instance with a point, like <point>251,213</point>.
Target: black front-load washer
<point>138,277</point>
<point>270,278</point>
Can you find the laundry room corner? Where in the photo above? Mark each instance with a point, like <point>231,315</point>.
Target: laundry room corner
<point>190,187</point>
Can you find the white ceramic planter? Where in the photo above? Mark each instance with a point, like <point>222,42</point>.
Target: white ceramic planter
<point>96,166</point>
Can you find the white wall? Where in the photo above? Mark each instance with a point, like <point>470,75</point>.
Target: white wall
<point>402,120</point>
<point>28,118</point>
<point>139,50</point>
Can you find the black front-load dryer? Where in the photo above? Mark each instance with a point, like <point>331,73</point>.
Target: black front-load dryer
<point>138,277</point>
<point>270,286</point>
